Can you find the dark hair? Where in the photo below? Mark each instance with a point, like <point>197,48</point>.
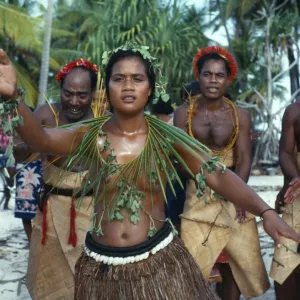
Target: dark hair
<point>161,107</point>
<point>120,54</point>
<point>93,77</point>
<point>191,88</point>
<point>228,96</point>
<point>208,56</point>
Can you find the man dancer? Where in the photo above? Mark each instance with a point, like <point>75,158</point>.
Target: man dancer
<point>209,228</point>
<point>57,234</point>
<point>285,268</point>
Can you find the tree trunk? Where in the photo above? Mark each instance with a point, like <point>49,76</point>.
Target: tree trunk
<point>44,72</point>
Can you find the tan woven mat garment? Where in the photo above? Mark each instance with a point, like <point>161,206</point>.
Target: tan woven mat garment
<point>285,261</point>
<point>239,241</point>
<point>51,266</point>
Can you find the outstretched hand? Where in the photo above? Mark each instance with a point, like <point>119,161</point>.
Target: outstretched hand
<point>293,191</point>
<point>275,227</point>
<point>8,77</point>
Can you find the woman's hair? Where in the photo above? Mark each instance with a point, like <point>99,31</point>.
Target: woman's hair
<point>161,107</point>
<point>120,54</point>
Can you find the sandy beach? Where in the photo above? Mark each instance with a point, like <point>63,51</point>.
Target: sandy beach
<point>14,246</point>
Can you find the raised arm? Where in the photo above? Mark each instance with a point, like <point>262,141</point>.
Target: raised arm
<point>51,141</point>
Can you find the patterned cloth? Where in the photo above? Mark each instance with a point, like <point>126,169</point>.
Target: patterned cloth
<point>28,185</point>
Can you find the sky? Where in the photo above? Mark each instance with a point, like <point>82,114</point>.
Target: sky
<point>217,36</point>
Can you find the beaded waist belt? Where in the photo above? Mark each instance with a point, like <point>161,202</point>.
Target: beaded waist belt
<point>125,255</point>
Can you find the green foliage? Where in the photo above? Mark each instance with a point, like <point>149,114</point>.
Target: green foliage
<point>21,36</point>
<point>172,32</point>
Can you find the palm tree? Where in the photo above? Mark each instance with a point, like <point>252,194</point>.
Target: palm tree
<point>106,25</point>
<point>21,37</point>
<point>46,54</point>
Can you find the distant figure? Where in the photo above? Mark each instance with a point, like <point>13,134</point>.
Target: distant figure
<point>189,90</point>
<point>175,204</point>
<point>163,111</point>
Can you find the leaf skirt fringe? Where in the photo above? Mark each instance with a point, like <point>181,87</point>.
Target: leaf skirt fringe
<point>170,274</point>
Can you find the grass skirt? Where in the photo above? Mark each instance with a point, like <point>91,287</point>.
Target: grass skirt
<point>171,273</point>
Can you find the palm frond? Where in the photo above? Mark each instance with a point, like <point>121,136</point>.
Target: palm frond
<point>153,164</point>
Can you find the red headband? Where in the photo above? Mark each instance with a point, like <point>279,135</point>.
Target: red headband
<point>75,63</point>
<point>222,53</point>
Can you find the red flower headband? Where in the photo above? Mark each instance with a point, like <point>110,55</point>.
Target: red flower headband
<point>75,63</point>
<point>221,52</point>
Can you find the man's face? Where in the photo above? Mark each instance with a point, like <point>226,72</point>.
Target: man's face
<point>213,79</point>
<point>129,86</point>
<point>76,94</point>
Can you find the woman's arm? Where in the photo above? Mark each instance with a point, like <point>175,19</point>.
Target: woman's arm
<point>59,142</point>
<point>233,189</point>
<point>53,141</point>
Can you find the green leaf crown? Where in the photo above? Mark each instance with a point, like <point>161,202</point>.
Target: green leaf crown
<point>161,81</point>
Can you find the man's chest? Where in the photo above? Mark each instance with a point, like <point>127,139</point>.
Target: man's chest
<point>214,130</point>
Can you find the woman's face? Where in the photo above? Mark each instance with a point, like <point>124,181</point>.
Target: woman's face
<point>129,86</point>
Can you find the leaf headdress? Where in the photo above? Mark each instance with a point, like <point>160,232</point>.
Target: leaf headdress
<point>161,81</point>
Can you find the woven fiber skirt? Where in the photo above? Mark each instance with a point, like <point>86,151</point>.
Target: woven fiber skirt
<point>159,269</point>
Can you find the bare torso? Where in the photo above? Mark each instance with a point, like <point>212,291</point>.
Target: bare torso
<point>297,127</point>
<point>211,127</point>
<point>121,234</point>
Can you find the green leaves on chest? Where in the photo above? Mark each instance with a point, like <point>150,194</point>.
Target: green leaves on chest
<point>123,188</point>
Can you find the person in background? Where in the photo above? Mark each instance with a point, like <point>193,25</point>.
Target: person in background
<point>58,229</point>
<point>285,269</point>
<point>29,183</point>
<point>175,203</point>
<point>213,229</point>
